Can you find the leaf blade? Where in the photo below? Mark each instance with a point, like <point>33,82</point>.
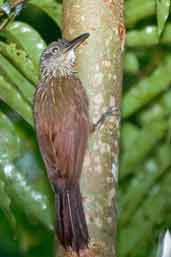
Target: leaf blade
<point>27,38</point>
<point>163,7</point>
<point>52,8</point>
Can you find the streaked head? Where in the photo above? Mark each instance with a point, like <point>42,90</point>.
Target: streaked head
<point>59,57</point>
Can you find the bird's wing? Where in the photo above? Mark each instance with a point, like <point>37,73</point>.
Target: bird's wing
<point>63,132</point>
<point>70,141</point>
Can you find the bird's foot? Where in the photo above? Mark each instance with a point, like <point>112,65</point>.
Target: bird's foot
<point>111,111</point>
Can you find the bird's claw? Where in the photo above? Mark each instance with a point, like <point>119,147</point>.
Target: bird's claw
<point>111,111</point>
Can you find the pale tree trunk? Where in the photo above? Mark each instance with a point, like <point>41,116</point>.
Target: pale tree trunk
<point>99,66</point>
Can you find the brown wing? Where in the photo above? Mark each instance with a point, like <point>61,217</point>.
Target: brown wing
<point>62,124</point>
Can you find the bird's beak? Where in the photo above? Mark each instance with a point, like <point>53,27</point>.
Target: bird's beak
<point>76,42</point>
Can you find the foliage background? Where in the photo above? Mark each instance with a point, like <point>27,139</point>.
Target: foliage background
<point>26,201</point>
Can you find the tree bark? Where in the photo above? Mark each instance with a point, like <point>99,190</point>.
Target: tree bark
<point>99,66</point>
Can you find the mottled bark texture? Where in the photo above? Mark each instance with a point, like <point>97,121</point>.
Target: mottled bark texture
<point>99,66</point>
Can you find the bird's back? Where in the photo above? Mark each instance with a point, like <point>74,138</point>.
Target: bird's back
<point>62,124</point>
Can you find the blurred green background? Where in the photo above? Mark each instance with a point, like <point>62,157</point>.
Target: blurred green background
<point>26,201</point>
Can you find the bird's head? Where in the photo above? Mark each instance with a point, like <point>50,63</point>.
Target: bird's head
<point>58,58</point>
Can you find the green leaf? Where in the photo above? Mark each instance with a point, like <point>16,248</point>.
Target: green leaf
<point>157,111</point>
<point>7,242</point>
<point>163,7</point>
<point>1,2</point>
<point>148,217</point>
<point>131,63</point>
<point>141,145</point>
<point>10,143</point>
<point>139,187</point>
<point>136,10</point>
<point>147,89</point>
<point>12,97</point>
<point>142,38</point>
<point>148,36</point>
<point>133,132</point>
<point>51,7</point>
<point>33,202</point>
<point>20,60</point>
<point>24,188</point>
<point>9,148</point>
<point>5,203</point>
<point>5,8</point>
<point>12,75</point>
<point>27,38</point>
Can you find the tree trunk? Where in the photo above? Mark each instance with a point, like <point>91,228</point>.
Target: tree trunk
<point>99,66</point>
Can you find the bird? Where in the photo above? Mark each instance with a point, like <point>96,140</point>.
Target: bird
<point>63,126</point>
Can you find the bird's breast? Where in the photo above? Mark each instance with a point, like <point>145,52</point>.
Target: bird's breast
<point>60,98</point>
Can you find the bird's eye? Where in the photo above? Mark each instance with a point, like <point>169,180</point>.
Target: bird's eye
<point>55,50</point>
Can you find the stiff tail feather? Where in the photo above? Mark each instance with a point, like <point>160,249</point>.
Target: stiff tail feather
<point>71,227</point>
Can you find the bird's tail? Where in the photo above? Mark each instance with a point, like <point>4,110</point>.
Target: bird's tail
<point>71,227</point>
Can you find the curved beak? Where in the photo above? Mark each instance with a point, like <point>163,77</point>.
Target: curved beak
<point>76,42</point>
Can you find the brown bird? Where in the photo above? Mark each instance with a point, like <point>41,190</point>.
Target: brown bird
<point>61,112</point>
<point>62,121</point>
